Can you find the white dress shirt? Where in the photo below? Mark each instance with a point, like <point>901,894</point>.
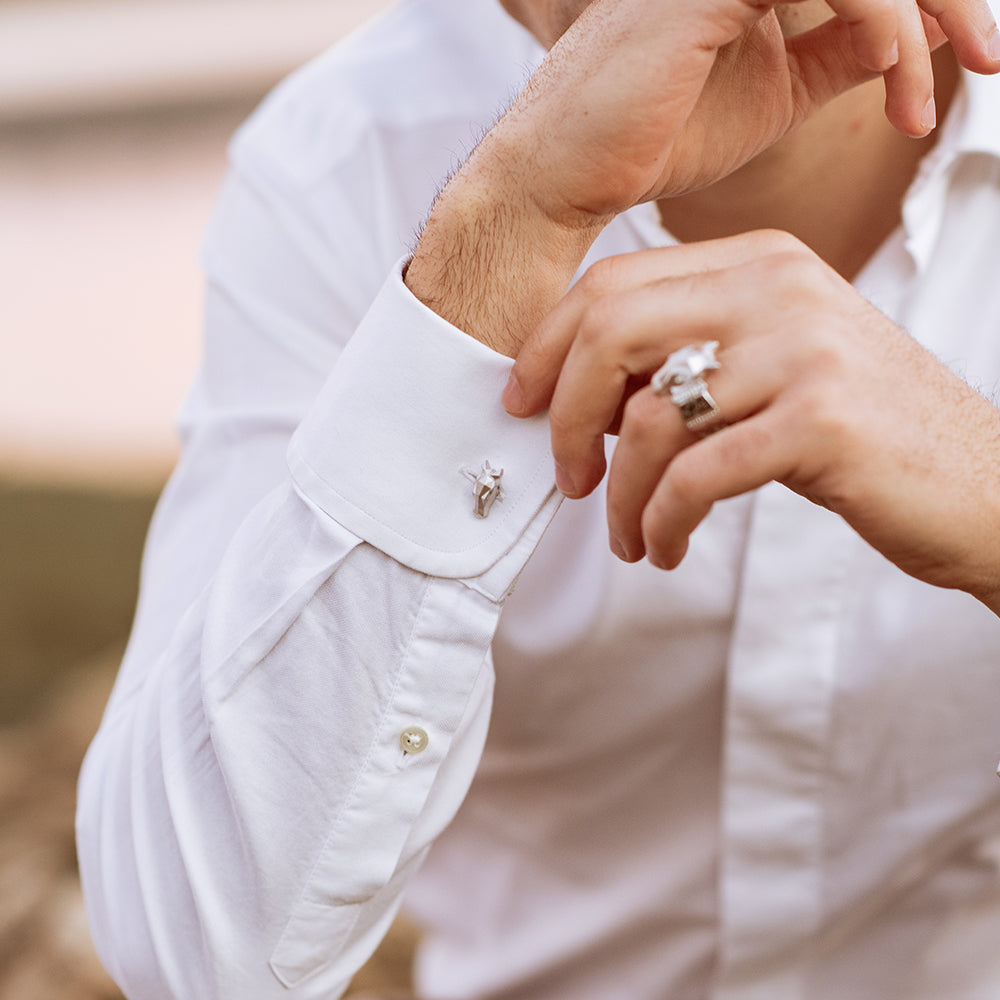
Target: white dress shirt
<point>767,775</point>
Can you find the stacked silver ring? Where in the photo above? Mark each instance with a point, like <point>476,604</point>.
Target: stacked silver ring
<point>682,376</point>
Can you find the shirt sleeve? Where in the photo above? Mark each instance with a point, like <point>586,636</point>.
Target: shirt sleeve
<point>307,690</point>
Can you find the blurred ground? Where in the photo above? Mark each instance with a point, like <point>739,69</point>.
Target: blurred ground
<point>114,116</point>
<point>70,556</point>
<point>45,948</point>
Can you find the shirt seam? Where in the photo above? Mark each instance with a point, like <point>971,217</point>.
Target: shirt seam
<point>303,896</point>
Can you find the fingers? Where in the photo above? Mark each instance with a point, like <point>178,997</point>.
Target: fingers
<point>653,436</point>
<point>621,336</point>
<point>844,51</point>
<point>772,348</point>
<point>838,433</point>
<point>822,65</point>
<point>541,359</point>
<point>662,486</point>
<point>883,32</point>
<point>874,30</point>
<point>909,84</point>
<point>909,80</point>
<point>972,30</point>
<point>826,61</point>
<point>650,436</point>
<point>741,458</point>
<point>632,332</point>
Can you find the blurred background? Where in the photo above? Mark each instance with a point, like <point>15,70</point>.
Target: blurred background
<point>114,117</point>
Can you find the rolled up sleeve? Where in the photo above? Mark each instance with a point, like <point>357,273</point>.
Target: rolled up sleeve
<point>250,811</point>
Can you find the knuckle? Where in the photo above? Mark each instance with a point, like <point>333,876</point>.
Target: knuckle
<point>778,241</point>
<point>881,12</point>
<point>593,327</point>
<point>821,409</point>
<point>823,350</point>
<point>878,9</point>
<point>800,279</point>
<point>531,360</point>
<point>797,269</point>
<point>600,325</point>
<point>738,453</point>
<point>600,278</point>
<point>564,425</point>
<point>685,480</point>
<point>643,417</point>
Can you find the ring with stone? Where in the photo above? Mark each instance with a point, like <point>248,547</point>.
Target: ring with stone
<point>682,377</point>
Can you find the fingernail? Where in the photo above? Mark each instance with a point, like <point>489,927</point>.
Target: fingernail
<point>564,482</point>
<point>617,548</point>
<point>512,399</point>
<point>993,45</point>
<point>656,560</point>
<point>929,117</point>
<point>893,55</point>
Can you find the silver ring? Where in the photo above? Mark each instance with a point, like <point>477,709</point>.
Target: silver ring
<point>682,376</point>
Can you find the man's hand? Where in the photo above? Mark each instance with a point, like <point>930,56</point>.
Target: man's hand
<point>645,99</point>
<point>642,99</point>
<point>821,392</point>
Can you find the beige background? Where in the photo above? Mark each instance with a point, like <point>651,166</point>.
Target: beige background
<point>113,121</point>
<point>114,117</point>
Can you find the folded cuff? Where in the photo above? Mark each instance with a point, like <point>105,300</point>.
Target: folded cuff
<point>411,408</point>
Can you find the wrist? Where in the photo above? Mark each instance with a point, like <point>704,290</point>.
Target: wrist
<point>491,260</point>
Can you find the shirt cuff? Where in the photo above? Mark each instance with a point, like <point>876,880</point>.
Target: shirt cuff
<point>410,410</point>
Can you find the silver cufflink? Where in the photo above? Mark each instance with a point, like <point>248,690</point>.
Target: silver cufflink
<point>485,488</point>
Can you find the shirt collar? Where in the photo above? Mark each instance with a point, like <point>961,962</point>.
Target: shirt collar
<point>971,128</point>
<point>980,130</point>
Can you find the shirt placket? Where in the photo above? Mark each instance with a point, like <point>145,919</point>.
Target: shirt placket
<point>777,717</point>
